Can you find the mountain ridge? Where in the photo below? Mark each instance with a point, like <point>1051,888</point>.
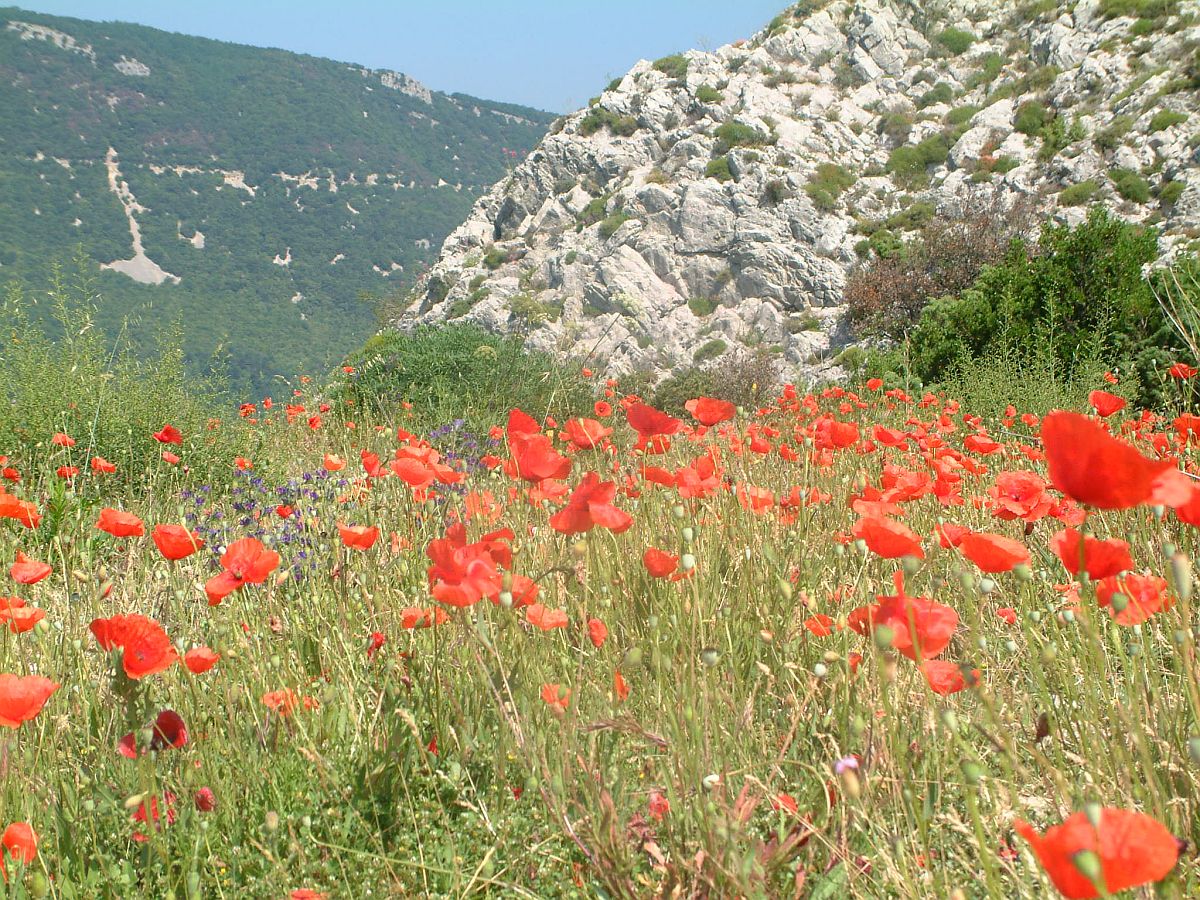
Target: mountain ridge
<point>712,201</point>
<point>268,189</point>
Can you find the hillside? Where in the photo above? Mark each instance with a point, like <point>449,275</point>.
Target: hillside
<point>711,201</point>
<point>254,195</point>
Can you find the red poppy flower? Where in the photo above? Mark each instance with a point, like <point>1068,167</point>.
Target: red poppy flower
<point>21,843</point>
<point>1144,595</point>
<point>535,459</point>
<point>888,538</point>
<point>146,648</point>
<point>586,434</point>
<point>590,505</point>
<point>545,619</point>
<point>649,422</point>
<point>170,733</point>
<point>28,571</point>
<point>23,511</point>
<point>102,466</point>
<point>708,411</point>
<point>1091,466</point>
<point>993,553</point>
<point>462,574</point>
<point>22,697</point>
<point>1105,404</point>
<point>286,701</point>
<point>557,697</point>
<point>358,537</point>
<point>821,625</point>
<point>175,542</point>
<point>1099,559</point>
<point>20,618</point>
<point>914,621</point>
<point>1007,614</point>
<point>170,458</point>
<point>120,524</point>
<point>1020,495</point>
<point>149,812</point>
<point>200,659</point>
<point>1182,371</point>
<point>245,561</point>
<point>1132,849</point>
<point>62,440</point>
<point>946,678</point>
<point>597,632</point>
<point>169,435</point>
<point>659,563</point>
<point>67,472</point>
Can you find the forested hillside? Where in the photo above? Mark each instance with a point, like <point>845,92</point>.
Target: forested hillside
<point>270,194</point>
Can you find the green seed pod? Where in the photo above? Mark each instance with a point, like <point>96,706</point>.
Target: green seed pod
<point>1088,864</point>
<point>884,637</point>
<point>986,586</point>
<point>1194,750</point>
<point>1023,572</point>
<point>1181,574</point>
<point>687,562</point>
<point>820,670</point>
<point>678,511</point>
<point>910,564</point>
<point>710,656</point>
<point>632,658</point>
<point>972,772</point>
<point>688,534</point>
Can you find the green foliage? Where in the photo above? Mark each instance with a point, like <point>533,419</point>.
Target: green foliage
<point>736,134</point>
<point>702,307</point>
<point>1078,194</point>
<point>1166,118</point>
<point>1057,135</point>
<point>955,40</point>
<point>599,117</point>
<point>69,376</point>
<point>610,225</point>
<point>719,169</point>
<point>674,66</point>
<point>1170,192</point>
<point>908,164</point>
<point>494,258</point>
<point>941,93</point>
<point>1130,185</point>
<point>220,107</point>
<point>708,94</point>
<point>1111,137</point>
<point>990,67</point>
<point>961,115</point>
<point>1031,117</point>
<point>529,312</point>
<point>911,217</point>
<point>828,183</point>
<point>776,191</point>
<point>709,350</point>
<point>595,211</point>
<point>1080,298</point>
<point>460,371</point>
<point>1138,9</point>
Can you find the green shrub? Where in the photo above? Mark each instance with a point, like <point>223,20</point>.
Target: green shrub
<point>1031,117</point>
<point>598,117</point>
<point>595,211</point>
<point>912,217</point>
<point>1138,9</point>
<point>990,67</point>
<point>707,94</point>
<point>1166,118</point>
<point>776,191</point>
<point>942,93</point>
<point>828,183</point>
<point>719,169</point>
<point>674,66</point>
<point>1005,164</point>
<point>735,134</point>
<point>610,225</point>
<point>1170,192</point>
<point>955,40</point>
<point>1079,297</point>
<point>710,350</point>
<point>702,307</point>
<point>1078,194</point>
<point>1130,185</point>
<point>461,371</point>
<point>493,259</point>
<point>1112,137</point>
<point>896,126</point>
<point>961,115</point>
<point>530,312</point>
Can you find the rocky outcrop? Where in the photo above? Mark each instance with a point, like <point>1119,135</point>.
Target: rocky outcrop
<point>717,200</point>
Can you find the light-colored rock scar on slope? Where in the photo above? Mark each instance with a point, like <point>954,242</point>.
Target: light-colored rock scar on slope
<point>60,39</point>
<point>140,267</point>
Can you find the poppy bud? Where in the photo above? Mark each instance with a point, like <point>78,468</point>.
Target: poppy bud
<point>986,586</point>
<point>678,511</point>
<point>950,720</point>
<point>687,562</point>
<point>1023,572</point>
<point>710,656</point>
<point>884,636</point>
<point>910,565</point>
<point>1088,864</point>
<point>688,533</point>
<point>972,772</point>
<point>820,670</point>
<point>1194,750</point>
<point>1181,574</point>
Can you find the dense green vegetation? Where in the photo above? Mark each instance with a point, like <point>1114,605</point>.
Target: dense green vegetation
<point>387,176</point>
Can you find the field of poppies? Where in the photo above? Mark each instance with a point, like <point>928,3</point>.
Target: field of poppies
<point>853,643</point>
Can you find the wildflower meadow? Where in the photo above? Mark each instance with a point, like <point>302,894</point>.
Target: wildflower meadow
<point>849,642</point>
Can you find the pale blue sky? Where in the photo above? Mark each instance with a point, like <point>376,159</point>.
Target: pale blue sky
<point>552,54</point>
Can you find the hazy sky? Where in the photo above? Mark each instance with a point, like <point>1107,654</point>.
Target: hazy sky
<point>552,54</point>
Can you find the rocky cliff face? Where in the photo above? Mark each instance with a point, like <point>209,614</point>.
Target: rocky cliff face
<point>712,201</point>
